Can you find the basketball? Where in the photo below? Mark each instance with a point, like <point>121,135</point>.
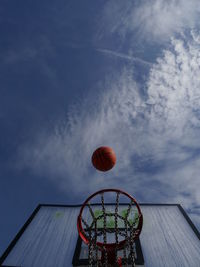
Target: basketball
<point>104,158</point>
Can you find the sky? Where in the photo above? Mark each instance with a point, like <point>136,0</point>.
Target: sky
<point>76,75</point>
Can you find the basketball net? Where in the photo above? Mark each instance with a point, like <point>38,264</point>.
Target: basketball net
<point>103,253</point>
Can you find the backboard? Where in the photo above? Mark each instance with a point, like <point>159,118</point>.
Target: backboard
<point>50,238</point>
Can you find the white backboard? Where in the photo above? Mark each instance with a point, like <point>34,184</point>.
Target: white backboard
<point>49,238</point>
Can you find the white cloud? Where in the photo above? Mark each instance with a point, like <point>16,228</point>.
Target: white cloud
<point>155,20</point>
<point>174,120</point>
<point>155,136</point>
<point>173,90</point>
<point>64,155</point>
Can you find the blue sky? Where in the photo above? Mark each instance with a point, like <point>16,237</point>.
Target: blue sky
<point>75,75</point>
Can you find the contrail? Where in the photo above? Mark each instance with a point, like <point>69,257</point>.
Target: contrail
<point>124,56</point>
<point>109,52</point>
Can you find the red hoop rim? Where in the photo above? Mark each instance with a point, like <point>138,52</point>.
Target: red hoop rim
<point>108,245</point>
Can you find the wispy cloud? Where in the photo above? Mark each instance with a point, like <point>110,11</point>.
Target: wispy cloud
<point>154,20</point>
<point>155,136</point>
<point>66,152</point>
<point>173,89</point>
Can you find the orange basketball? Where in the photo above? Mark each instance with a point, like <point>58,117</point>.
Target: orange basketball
<point>103,158</point>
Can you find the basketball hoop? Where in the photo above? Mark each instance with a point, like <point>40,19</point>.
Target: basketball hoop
<point>93,230</point>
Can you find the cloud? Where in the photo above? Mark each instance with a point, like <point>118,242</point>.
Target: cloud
<point>155,134</point>
<point>174,120</point>
<point>64,154</point>
<point>155,20</point>
<point>173,90</point>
